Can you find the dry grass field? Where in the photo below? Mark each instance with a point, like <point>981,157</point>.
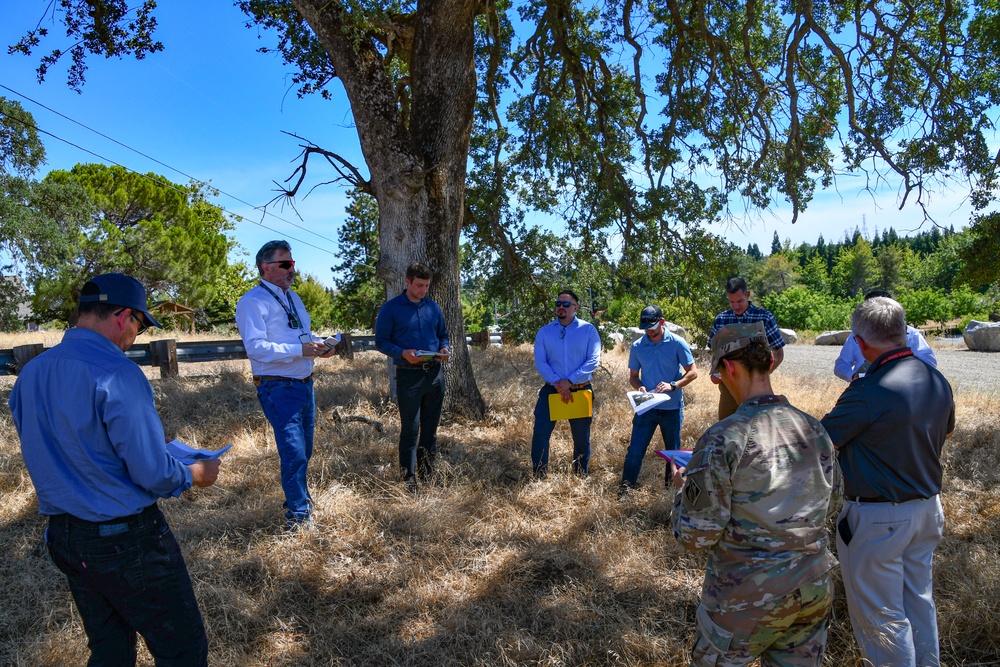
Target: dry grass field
<point>484,567</point>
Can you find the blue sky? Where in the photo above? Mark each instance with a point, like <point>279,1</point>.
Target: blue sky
<point>210,106</point>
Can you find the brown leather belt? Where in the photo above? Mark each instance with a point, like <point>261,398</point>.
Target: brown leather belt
<point>257,379</point>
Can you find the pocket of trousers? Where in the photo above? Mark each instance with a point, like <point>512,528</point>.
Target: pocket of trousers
<point>844,530</point>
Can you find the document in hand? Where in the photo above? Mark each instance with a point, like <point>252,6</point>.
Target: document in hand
<point>187,454</point>
<point>427,355</point>
<point>643,401</point>
<point>680,457</point>
<point>582,405</point>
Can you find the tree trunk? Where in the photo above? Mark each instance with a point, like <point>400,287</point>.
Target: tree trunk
<point>417,163</point>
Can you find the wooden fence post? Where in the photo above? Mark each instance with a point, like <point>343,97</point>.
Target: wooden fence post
<point>163,353</point>
<point>481,339</point>
<point>25,353</point>
<point>345,347</point>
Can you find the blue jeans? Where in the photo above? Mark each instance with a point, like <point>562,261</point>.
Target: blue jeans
<point>420,395</point>
<point>128,576</point>
<point>643,428</point>
<point>291,409</point>
<point>542,433</point>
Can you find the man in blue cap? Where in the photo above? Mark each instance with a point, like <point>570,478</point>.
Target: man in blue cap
<point>94,448</point>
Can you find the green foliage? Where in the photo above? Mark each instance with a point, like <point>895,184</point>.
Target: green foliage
<point>361,293</point>
<point>775,273</point>
<point>800,307</point>
<point>316,299</point>
<point>923,305</point>
<point>235,281</point>
<point>165,235</point>
<point>980,256</point>
<point>854,271</point>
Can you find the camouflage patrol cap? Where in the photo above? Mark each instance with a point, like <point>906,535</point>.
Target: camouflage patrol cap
<point>733,337</point>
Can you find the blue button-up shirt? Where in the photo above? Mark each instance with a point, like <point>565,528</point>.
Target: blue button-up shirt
<point>404,325</point>
<point>569,353</point>
<point>90,436</point>
<point>661,362</point>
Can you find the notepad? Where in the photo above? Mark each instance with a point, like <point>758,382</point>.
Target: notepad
<point>582,405</point>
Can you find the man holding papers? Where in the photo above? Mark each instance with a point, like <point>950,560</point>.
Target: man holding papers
<point>567,352</point>
<point>756,495</point>
<point>410,330</point>
<point>94,448</point>
<point>659,363</point>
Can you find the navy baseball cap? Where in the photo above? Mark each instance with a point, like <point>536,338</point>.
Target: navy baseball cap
<point>119,290</point>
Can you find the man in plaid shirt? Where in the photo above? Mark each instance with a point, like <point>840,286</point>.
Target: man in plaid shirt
<point>741,311</point>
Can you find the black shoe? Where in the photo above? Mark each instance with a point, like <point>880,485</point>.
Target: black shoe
<point>625,489</point>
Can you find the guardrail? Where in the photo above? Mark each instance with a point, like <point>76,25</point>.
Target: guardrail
<point>167,353</point>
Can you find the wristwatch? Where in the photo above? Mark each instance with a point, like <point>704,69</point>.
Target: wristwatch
<point>673,385</point>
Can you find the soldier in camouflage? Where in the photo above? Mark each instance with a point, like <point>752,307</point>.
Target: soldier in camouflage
<point>756,495</point>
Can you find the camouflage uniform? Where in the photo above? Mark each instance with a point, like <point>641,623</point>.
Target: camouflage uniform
<point>759,488</point>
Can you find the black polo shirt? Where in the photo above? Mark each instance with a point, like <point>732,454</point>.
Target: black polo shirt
<point>889,427</point>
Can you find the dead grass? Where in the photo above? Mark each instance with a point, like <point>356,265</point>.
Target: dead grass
<point>486,566</point>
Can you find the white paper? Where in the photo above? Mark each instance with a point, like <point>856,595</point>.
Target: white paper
<point>187,454</point>
<point>332,340</point>
<point>643,401</point>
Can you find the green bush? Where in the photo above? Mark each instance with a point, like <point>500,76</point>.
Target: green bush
<point>800,308</point>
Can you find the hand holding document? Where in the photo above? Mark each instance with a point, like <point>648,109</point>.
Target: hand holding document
<point>641,401</point>
<point>332,341</point>
<point>427,355</point>
<point>679,457</point>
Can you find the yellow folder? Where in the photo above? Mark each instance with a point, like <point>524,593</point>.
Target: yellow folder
<point>582,405</point>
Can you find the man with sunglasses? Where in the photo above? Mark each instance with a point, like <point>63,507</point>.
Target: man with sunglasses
<point>274,325</point>
<point>567,352</point>
<point>661,363</point>
<point>407,327</point>
<point>94,448</point>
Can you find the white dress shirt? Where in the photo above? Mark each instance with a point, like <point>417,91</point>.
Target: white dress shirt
<point>272,346</point>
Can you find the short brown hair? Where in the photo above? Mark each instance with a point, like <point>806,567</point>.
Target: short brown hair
<point>419,270</point>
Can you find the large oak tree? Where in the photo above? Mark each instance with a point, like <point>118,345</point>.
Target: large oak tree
<point>631,120</point>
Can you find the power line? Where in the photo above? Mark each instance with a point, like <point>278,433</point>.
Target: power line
<point>163,164</point>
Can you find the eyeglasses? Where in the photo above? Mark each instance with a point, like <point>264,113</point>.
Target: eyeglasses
<point>284,264</point>
<point>564,304</point>
<point>140,320</point>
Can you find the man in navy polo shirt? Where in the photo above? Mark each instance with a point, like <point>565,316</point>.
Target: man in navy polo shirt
<point>889,428</point>
<point>406,325</point>
<point>660,363</point>
<point>94,448</point>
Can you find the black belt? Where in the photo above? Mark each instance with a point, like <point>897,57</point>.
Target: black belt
<point>426,365</point>
<point>573,387</point>
<point>257,379</point>
<point>131,521</point>
<point>881,499</point>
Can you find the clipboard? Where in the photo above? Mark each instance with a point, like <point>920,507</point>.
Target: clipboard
<point>582,405</point>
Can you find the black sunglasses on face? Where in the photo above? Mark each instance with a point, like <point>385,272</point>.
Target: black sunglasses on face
<point>284,264</point>
<point>140,320</point>
<point>564,304</point>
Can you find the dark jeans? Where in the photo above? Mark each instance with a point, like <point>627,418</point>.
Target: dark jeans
<point>542,433</point>
<point>643,428</point>
<point>127,576</point>
<point>291,409</point>
<point>420,394</point>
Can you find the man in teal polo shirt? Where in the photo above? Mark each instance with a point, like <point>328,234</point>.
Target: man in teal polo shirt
<point>661,363</point>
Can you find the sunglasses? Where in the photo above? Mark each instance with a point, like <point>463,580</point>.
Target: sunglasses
<point>140,320</point>
<point>564,304</point>
<point>284,264</point>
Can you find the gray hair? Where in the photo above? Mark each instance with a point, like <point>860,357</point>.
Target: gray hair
<point>268,251</point>
<point>880,322</point>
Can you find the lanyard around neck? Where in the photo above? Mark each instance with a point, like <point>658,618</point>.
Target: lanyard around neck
<point>289,309</point>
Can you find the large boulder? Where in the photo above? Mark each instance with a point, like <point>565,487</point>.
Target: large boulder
<point>789,336</point>
<point>982,336</point>
<point>832,338</point>
<point>636,333</point>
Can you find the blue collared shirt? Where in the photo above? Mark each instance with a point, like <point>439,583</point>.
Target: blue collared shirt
<point>750,315</point>
<point>404,325</point>
<point>661,362</point>
<point>569,353</point>
<point>90,436</point>
<point>851,359</point>
<point>272,346</point>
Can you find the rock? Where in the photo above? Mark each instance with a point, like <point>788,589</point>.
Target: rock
<point>617,337</point>
<point>982,336</point>
<point>832,337</point>
<point>636,333</point>
<point>789,336</point>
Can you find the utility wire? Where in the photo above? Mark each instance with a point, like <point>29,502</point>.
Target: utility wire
<point>163,164</point>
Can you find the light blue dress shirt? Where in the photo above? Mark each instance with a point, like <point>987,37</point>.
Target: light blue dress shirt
<point>851,359</point>
<point>90,436</point>
<point>569,353</point>
<point>661,362</point>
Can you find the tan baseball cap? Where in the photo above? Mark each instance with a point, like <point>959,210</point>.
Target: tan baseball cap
<point>733,337</point>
